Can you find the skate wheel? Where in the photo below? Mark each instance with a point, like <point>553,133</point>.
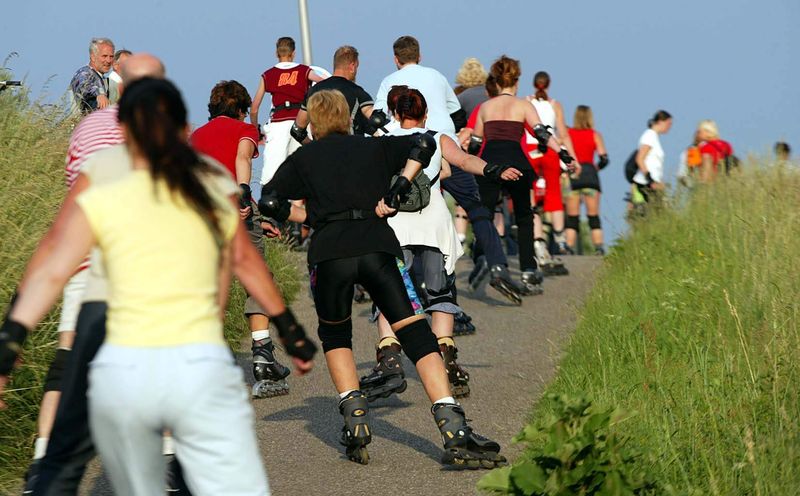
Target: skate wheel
<point>270,389</point>
<point>359,455</point>
<point>402,388</point>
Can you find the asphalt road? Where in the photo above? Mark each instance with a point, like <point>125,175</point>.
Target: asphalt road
<point>510,359</point>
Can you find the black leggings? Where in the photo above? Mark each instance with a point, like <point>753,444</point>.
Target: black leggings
<point>389,285</point>
<point>520,192</point>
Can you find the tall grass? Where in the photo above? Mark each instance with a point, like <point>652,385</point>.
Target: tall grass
<point>33,144</point>
<point>693,328</point>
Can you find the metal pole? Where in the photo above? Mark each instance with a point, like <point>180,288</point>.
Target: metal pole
<point>305,31</point>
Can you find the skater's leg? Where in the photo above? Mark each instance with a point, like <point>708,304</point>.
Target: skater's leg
<point>70,447</point>
<point>572,223</point>
<point>593,213</point>
<point>275,148</point>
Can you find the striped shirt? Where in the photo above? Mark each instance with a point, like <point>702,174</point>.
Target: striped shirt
<point>95,132</point>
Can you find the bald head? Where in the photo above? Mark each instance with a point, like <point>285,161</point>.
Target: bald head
<point>141,65</point>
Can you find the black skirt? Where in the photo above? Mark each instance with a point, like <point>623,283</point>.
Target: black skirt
<point>588,179</point>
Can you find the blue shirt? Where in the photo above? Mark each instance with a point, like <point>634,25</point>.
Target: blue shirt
<point>86,85</point>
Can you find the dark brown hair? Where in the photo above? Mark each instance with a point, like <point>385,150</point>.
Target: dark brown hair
<point>491,87</point>
<point>393,95</point>
<point>155,116</point>
<point>411,105</point>
<point>505,72</point>
<point>228,98</point>
<point>659,116</point>
<point>344,55</point>
<point>406,49</point>
<point>284,46</point>
<point>541,81</point>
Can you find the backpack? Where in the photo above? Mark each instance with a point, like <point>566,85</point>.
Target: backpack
<point>693,157</point>
<point>631,168</point>
<point>729,161</point>
<point>419,196</point>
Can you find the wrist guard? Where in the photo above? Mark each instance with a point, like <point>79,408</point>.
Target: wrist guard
<point>565,157</point>
<point>543,134</point>
<point>423,147</point>
<point>474,145</point>
<point>397,193</point>
<point>246,196</point>
<point>12,337</point>
<point>378,119</point>
<point>649,179</point>
<point>603,162</point>
<point>293,336</point>
<point>271,205</point>
<point>298,133</point>
<point>493,171</point>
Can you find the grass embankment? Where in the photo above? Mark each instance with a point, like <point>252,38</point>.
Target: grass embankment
<point>33,144</point>
<point>692,329</point>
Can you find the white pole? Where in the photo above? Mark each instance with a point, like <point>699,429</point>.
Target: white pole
<point>305,31</point>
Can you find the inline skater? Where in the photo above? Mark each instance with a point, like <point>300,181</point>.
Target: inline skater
<point>445,115</point>
<point>342,178</point>
<point>499,126</point>
<point>234,143</point>
<point>586,187</point>
<point>648,182</point>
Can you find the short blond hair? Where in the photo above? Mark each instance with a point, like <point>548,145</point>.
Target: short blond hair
<point>709,127</point>
<point>472,73</point>
<point>329,113</point>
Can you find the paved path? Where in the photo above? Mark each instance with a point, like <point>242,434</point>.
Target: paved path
<point>510,359</point>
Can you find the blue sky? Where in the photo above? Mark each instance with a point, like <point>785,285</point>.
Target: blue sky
<point>728,60</point>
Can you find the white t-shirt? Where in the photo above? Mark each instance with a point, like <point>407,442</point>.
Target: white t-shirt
<point>435,167</point>
<point>654,160</point>
<point>441,99</point>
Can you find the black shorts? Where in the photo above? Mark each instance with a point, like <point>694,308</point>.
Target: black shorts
<point>588,179</point>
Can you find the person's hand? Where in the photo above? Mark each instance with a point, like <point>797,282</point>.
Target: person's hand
<point>102,102</point>
<point>511,174</point>
<point>383,210</point>
<point>245,212</point>
<point>463,138</point>
<point>270,229</point>
<point>302,367</point>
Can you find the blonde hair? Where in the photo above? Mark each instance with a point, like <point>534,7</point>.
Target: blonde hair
<point>583,118</point>
<point>329,113</point>
<point>709,127</point>
<point>472,73</point>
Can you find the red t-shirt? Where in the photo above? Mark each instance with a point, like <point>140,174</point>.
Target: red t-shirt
<point>718,150</point>
<point>287,83</point>
<point>584,144</point>
<point>220,137</point>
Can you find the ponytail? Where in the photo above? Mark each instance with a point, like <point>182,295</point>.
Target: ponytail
<point>541,81</point>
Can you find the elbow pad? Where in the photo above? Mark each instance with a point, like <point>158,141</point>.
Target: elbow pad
<point>271,205</point>
<point>543,134</point>
<point>603,162</point>
<point>298,133</point>
<point>378,119</point>
<point>423,147</point>
<point>474,146</point>
<point>459,118</point>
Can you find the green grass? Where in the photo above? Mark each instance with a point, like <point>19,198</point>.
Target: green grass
<point>33,145</point>
<point>693,329</point>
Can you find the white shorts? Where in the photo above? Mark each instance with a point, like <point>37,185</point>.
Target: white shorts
<point>278,146</point>
<point>72,300</point>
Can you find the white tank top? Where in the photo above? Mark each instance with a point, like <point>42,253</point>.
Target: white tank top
<point>547,114</point>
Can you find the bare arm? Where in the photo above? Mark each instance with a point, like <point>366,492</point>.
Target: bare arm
<point>313,76</point>
<point>532,119</point>
<point>600,144</point>
<point>257,102</point>
<point>244,161</point>
<point>445,171</point>
<point>561,128</point>
<point>301,120</point>
<point>453,154</point>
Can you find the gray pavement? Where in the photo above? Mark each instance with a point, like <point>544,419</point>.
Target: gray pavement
<point>510,359</point>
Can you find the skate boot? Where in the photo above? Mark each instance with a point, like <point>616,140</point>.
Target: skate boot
<point>270,375</point>
<point>31,477</point>
<point>360,294</point>
<point>458,377</point>
<point>549,265</point>
<point>356,434</point>
<point>462,324</point>
<point>561,242</point>
<point>387,376</point>
<point>599,250</point>
<point>479,273</point>
<point>463,448</point>
<point>501,281</point>
<point>532,281</point>
<point>175,483</point>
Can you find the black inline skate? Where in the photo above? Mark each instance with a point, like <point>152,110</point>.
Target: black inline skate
<point>457,376</point>
<point>479,274</point>
<point>269,373</point>
<point>356,434</point>
<point>501,281</point>
<point>532,280</point>
<point>549,265</point>
<point>387,376</point>
<point>462,324</point>
<point>463,448</point>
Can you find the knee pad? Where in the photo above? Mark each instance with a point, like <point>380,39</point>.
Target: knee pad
<point>417,340</point>
<point>594,221</point>
<point>338,335</point>
<point>572,222</point>
<point>52,381</point>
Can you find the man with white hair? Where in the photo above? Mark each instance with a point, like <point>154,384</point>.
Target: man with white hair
<point>89,85</point>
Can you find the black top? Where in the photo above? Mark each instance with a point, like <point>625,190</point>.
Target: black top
<point>355,95</point>
<point>336,174</point>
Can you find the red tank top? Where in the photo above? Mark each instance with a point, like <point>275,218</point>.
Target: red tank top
<point>584,144</point>
<point>287,83</point>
